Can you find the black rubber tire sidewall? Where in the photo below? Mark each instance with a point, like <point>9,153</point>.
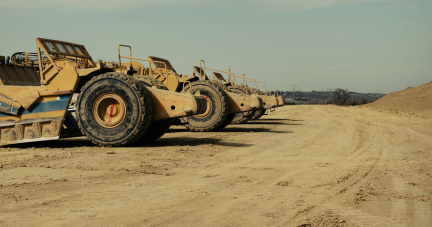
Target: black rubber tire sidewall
<point>227,121</point>
<point>220,105</point>
<point>258,114</point>
<point>129,129</point>
<point>155,131</point>
<point>243,117</point>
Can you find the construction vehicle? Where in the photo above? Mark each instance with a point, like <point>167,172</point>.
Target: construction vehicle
<point>175,82</point>
<point>242,117</point>
<point>279,100</point>
<point>269,101</point>
<point>111,108</point>
<point>222,104</point>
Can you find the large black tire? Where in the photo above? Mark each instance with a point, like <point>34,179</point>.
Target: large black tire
<point>155,131</point>
<point>138,109</point>
<point>229,117</point>
<point>227,121</point>
<point>157,128</point>
<point>218,112</point>
<point>241,118</point>
<point>258,114</point>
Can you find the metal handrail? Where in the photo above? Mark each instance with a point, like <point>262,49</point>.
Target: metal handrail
<point>139,59</point>
<point>130,53</point>
<point>230,74</point>
<point>204,68</point>
<point>190,86</point>
<point>265,88</point>
<point>256,87</point>
<point>246,79</point>
<point>216,70</point>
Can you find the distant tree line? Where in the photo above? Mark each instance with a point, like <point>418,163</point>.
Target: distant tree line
<point>341,97</point>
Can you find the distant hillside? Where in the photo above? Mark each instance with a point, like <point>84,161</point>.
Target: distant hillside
<point>321,97</point>
<point>411,101</point>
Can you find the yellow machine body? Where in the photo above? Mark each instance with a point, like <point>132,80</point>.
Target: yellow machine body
<point>280,101</point>
<point>35,95</point>
<point>162,70</point>
<point>33,105</point>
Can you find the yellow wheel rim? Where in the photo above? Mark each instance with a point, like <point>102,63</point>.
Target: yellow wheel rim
<point>109,110</point>
<point>208,110</point>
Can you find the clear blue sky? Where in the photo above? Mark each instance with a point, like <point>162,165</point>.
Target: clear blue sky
<point>360,45</point>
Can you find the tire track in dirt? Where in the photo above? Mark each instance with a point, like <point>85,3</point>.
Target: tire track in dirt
<point>365,178</point>
<point>326,165</point>
<point>245,163</point>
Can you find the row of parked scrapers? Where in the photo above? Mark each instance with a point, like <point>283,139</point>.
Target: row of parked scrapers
<point>61,92</point>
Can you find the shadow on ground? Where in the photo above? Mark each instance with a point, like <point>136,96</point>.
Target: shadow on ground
<point>271,119</point>
<point>258,122</point>
<point>274,119</point>
<point>188,141</point>
<point>60,143</point>
<point>230,128</point>
<point>163,142</point>
<point>235,129</point>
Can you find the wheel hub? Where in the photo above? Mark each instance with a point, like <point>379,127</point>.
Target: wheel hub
<point>208,110</point>
<point>109,110</point>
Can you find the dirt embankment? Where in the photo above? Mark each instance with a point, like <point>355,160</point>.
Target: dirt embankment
<point>415,101</point>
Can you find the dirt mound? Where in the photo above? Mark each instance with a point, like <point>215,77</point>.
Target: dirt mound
<point>415,101</point>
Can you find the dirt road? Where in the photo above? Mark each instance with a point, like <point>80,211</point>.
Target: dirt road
<point>300,165</point>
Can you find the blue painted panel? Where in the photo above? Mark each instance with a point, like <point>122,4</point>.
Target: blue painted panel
<point>6,108</point>
<point>64,97</point>
<point>44,106</point>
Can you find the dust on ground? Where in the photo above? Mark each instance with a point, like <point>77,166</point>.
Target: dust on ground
<point>298,166</point>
